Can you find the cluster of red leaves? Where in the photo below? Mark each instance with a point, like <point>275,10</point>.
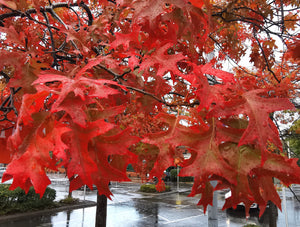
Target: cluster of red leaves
<point>138,91</point>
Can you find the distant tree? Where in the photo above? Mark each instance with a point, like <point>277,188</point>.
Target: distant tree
<point>295,146</point>
<point>293,140</point>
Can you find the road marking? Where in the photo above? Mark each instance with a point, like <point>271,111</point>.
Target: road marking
<point>144,217</point>
<point>182,219</point>
<point>181,206</point>
<point>164,218</point>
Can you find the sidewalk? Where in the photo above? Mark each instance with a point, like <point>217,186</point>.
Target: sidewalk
<point>32,214</point>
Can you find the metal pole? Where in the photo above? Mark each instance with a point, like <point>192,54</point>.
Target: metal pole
<point>212,211</point>
<point>84,191</point>
<point>177,178</point>
<point>284,207</point>
<point>82,223</point>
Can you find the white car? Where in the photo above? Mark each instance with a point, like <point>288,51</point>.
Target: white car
<point>253,206</point>
<point>2,170</point>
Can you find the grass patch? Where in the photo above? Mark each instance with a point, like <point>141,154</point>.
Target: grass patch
<point>69,200</point>
<point>150,188</point>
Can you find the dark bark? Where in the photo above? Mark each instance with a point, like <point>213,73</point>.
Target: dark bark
<point>273,215</point>
<point>101,211</point>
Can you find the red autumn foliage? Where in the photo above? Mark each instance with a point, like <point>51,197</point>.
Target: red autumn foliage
<point>96,85</point>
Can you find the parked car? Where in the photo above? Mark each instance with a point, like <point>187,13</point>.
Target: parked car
<point>2,170</point>
<point>167,173</point>
<point>253,206</point>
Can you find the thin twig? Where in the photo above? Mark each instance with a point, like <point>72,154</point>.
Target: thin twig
<point>294,194</point>
<point>264,55</point>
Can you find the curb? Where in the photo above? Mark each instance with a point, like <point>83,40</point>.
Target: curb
<point>162,193</point>
<point>26,215</point>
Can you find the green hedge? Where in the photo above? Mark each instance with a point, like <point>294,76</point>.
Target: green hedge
<point>18,201</point>
<point>173,177</point>
<point>150,188</point>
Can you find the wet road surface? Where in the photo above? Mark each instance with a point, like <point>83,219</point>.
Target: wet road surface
<point>130,208</point>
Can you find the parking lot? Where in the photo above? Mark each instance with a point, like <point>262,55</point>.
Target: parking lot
<point>129,207</point>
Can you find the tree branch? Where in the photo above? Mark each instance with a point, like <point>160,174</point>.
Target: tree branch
<point>264,55</point>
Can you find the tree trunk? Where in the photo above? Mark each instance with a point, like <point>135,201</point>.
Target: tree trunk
<point>70,194</point>
<point>101,211</point>
<point>70,179</point>
<point>273,215</point>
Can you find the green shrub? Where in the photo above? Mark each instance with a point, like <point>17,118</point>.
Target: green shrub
<point>69,200</point>
<point>251,225</point>
<point>150,188</point>
<point>18,201</point>
<point>173,177</point>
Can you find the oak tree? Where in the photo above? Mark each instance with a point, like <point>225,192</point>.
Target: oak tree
<point>96,85</point>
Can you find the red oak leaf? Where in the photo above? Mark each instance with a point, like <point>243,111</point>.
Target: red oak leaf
<point>162,60</point>
<point>205,153</point>
<point>243,160</point>
<point>260,129</point>
<point>255,181</point>
<point>75,94</point>
<point>263,190</point>
<point>28,168</point>
<point>205,189</point>
<point>12,35</point>
<point>81,163</point>
<point>160,186</point>
<point>294,49</point>
<point>6,154</point>
<point>205,93</point>
<point>141,9</point>
<point>110,157</point>
<point>197,3</point>
<point>126,39</point>
<point>225,76</point>
<point>9,4</point>
<point>166,154</point>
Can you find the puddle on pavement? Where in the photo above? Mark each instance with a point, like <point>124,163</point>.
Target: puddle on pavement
<point>272,216</point>
<point>159,211</point>
<point>269,218</point>
<point>171,199</point>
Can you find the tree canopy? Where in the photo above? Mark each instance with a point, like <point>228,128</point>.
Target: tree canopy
<point>96,85</point>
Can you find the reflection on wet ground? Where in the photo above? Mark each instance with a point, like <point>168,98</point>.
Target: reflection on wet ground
<point>156,212</point>
<point>130,208</point>
<point>269,218</point>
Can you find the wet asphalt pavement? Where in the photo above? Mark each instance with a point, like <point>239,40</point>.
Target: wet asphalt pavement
<point>129,208</point>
